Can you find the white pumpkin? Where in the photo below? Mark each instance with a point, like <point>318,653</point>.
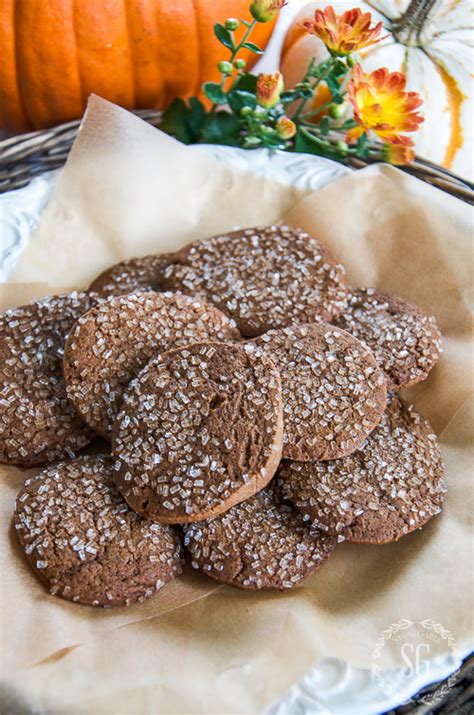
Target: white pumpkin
<point>430,41</point>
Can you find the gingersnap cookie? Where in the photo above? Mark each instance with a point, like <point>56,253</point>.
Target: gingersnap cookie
<point>260,543</point>
<point>84,542</point>
<point>38,424</point>
<point>265,277</point>
<point>112,342</point>
<point>391,486</point>
<point>405,341</point>
<point>135,274</point>
<point>200,429</point>
<point>334,392</point>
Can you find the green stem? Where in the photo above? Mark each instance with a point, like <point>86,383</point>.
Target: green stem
<point>244,39</point>
<point>316,111</point>
<point>233,56</point>
<point>303,102</point>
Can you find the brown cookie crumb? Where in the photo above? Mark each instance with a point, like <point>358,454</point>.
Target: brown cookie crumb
<point>264,277</point>
<point>38,424</point>
<point>391,486</point>
<point>405,341</point>
<point>200,429</point>
<point>334,393</point>
<point>259,543</point>
<point>135,274</point>
<point>110,344</point>
<point>85,543</point>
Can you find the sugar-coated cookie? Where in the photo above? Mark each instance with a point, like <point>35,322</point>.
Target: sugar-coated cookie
<point>85,543</point>
<point>405,341</point>
<point>391,486</point>
<point>132,275</point>
<point>200,429</point>
<point>110,344</point>
<point>265,277</point>
<point>38,424</point>
<point>334,393</point>
<point>260,543</point>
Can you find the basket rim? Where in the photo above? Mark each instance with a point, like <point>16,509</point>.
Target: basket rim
<point>24,156</point>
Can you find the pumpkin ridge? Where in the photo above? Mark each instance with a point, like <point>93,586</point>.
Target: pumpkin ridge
<point>29,119</point>
<point>132,70</point>
<point>199,52</point>
<point>76,52</point>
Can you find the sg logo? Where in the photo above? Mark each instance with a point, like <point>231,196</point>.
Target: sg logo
<point>415,656</point>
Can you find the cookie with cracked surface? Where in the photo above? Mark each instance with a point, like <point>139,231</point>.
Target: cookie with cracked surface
<point>135,274</point>
<point>110,344</point>
<point>38,424</point>
<point>84,542</point>
<point>260,543</point>
<point>405,341</point>
<point>334,393</point>
<point>265,277</point>
<point>391,486</point>
<point>200,429</point>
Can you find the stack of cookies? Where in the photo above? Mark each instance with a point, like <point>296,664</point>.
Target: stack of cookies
<point>246,397</point>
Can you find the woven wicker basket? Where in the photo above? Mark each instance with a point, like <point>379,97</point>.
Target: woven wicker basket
<point>25,156</point>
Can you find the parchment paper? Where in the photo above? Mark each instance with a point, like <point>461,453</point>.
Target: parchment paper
<point>199,647</point>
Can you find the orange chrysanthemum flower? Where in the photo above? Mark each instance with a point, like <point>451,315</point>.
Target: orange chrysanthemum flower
<point>269,89</point>
<point>398,154</point>
<point>346,33</point>
<point>286,128</point>
<point>381,105</point>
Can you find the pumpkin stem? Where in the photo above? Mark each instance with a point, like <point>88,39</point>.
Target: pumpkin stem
<point>408,28</point>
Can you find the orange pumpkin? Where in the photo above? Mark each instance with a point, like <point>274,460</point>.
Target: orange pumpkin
<point>136,53</point>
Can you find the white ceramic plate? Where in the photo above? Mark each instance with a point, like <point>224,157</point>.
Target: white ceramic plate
<point>333,686</point>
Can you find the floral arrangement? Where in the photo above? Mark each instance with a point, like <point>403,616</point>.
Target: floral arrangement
<point>361,114</point>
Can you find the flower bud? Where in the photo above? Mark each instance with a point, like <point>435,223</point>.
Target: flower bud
<point>266,10</point>
<point>336,111</point>
<point>269,89</point>
<point>231,23</point>
<point>398,154</point>
<point>341,146</point>
<point>245,111</point>
<point>286,128</point>
<point>239,64</point>
<point>225,67</point>
<point>352,60</point>
<point>250,142</point>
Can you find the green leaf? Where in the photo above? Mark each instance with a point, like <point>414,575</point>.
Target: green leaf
<point>214,92</point>
<point>221,128</point>
<point>253,48</point>
<point>238,99</point>
<point>310,144</point>
<point>362,145</point>
<point>304,142</point>
<point>175,122</point>
<point>195,116</point>
<point>223,35</point>
<point>246,82</point>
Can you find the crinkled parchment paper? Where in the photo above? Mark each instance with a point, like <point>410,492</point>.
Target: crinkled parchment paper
<point>199,647</point>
